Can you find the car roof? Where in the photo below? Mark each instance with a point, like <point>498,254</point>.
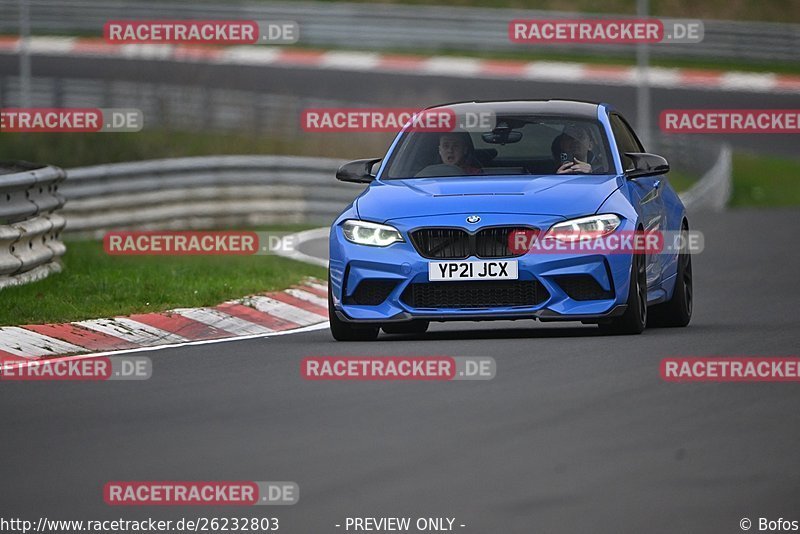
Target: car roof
<point>575,108</point>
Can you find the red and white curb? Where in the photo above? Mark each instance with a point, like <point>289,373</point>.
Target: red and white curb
<point>545,71</point>
<point>298,308</point>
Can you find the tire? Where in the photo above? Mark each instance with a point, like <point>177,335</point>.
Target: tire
<point>342,331</point>
<point>634,320</point>
<point>412,327</point>
<point>677,311</point>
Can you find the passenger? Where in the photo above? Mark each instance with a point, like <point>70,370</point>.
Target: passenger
<point>574,151</point>
<point>456,149</point>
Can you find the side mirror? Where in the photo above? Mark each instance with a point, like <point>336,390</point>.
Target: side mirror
<point>645,164</point>
<point>358,171</point>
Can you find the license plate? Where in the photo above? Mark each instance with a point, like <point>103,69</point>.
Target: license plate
<point>472,270</point>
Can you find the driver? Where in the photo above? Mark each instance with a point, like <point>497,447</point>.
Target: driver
<point>455,148</point>
<point>578,144</point>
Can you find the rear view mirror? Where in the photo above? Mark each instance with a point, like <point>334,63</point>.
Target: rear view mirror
<point>645,164</point>
<point>358,171</point>
<point>502,138</point>
<point>502,134</point>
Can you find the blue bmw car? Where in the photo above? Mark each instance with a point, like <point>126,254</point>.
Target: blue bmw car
<point>431,238</point>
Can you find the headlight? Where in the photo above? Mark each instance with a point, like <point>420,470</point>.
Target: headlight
<point>590,227</point>
<point>369,233</point>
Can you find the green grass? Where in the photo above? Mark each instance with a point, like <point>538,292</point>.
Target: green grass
<point>765,181</point>
<point>94,284</point>
<point>681,181</point>
<point>761,181</point>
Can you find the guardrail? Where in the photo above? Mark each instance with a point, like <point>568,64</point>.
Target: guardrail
<point>713,191</point>
<point>380,26</point>
<point>30,230</point>
<point>204,192</point>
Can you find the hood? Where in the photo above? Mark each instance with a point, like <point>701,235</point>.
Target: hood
<point>564,196</point>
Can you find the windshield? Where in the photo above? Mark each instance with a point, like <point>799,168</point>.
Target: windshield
<point>518,145</point>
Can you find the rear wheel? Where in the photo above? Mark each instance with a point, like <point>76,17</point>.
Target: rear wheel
<point>634,319</point>
<point>413,327</point>
<point>677,311</point>
<point>342,331</point>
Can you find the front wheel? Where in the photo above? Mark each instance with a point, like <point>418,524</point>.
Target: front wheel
<point>342,331</point>
<point>634,319</point>
<point>677,311</point>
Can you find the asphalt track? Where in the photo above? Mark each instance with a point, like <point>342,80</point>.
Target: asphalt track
<point>416,91</point>
<point>577,432</point>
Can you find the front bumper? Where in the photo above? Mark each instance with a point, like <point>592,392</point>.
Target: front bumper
<point>400,265</point>
<point>543,315</point>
